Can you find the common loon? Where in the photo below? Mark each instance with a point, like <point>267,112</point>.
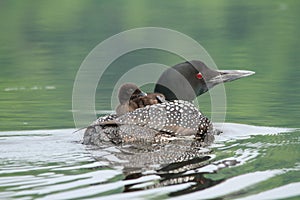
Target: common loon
<point>184,81</point>
<point>131,98</point>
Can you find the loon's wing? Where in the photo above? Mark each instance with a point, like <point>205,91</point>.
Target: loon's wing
<point>170,117</point>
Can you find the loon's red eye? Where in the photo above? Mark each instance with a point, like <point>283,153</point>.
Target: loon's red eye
<point>199,76</point>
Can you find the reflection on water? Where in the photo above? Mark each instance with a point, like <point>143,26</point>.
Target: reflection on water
<point>54,164</point>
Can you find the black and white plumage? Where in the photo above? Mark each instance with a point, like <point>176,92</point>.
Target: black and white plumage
<point>150,124</point>
<point>170,117</point>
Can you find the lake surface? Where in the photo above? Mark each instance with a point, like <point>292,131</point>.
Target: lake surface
<point>247,162</point>
<point>42,46</point>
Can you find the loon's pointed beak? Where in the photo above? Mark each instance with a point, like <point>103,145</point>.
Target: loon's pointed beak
<point>142,94</point>
<point>229,75</point>
<point>160,99</point>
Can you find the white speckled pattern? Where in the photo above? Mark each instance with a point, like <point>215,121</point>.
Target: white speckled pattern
<point>147,124</point>
<point>167,116</point>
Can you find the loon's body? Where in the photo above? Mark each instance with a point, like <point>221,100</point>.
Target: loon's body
<point>150,124</point>
<point>174,117</point>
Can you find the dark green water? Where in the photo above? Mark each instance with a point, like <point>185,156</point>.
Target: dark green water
<point>43,43</point>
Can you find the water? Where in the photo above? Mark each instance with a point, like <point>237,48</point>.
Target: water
<point>42,47</point>
<point>53,164</point>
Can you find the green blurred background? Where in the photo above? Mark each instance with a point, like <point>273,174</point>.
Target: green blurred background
<point>42,44</point>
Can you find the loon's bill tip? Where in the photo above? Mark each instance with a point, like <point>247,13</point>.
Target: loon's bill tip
<point>231,75</point>
<point>142,94</point>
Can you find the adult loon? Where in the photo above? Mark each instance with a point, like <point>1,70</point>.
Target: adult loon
<point>184,81</point>
<point>131,98</point>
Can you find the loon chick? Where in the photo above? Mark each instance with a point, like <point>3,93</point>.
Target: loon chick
<point>190,79</point>
<point>131,98</point>
<point>150,124</point>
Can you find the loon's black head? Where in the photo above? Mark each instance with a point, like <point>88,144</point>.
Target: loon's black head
<point>190,79</point>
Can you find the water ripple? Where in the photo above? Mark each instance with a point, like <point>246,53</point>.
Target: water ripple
<point>53,164</point>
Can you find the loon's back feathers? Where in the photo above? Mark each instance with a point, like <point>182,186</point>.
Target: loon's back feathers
<point>170,117</point>
<point>151,123</point>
